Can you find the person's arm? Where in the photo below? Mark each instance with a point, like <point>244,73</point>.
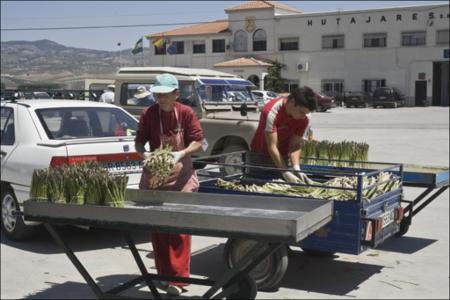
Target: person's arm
<point>296,142</point>
<point>140,149</point>
<point>272,147</point>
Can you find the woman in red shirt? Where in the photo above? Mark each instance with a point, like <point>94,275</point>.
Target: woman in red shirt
<point>169,122</point>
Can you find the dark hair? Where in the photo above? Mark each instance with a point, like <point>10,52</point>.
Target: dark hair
<point>305,97</point>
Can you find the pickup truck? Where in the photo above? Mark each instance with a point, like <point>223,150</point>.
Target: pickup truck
<point>209,93</point>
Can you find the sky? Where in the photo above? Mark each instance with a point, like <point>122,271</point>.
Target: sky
<point>148,16</point>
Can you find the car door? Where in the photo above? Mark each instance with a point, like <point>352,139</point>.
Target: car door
<point>8,137</point>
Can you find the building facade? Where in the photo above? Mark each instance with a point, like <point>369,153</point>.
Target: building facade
<point>332,52</point>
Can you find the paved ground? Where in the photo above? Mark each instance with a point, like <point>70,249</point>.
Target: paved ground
<point>414,266</point>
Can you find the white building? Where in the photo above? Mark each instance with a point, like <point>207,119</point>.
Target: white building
<point>359,50</point>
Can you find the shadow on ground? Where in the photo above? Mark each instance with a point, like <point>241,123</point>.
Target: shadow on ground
<point>79,239</point>
<point>405,244</point>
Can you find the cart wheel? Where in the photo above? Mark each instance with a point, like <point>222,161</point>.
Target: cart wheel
<point>404,227</point>
<point>232,159</point>
<point>318,253</point>
<point>246,286</point>
<point>268,273</point>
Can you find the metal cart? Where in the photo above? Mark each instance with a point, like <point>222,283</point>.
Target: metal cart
<point>271,224</point>
<point>358,224</point>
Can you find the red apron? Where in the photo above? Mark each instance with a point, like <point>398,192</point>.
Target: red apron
<point>172,252</point>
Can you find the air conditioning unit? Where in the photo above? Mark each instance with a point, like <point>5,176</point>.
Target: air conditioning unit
<point>303,66</point>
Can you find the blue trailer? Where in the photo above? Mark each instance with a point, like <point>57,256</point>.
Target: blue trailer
<point>357,224</point>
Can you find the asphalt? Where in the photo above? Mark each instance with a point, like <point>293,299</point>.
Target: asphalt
<point>415,266</point>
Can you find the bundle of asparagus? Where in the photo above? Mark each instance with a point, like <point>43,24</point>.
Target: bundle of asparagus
<point>39,185</point>
<point>345,150</point>
<point>86,183</point>
<point>161,163</point>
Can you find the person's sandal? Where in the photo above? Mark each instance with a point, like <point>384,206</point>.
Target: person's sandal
<point>173,290</point>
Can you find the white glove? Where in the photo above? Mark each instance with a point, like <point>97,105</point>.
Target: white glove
<point>290,177</point>
<point>147,154</point>
<point>302,175</point>
<point>177,155</point>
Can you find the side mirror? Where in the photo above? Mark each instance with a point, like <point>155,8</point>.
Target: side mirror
<point>244,109</point>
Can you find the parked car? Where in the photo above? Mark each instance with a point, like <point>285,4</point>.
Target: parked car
<point>324,103</point>
<point>388,97</point>
<point>356,99</point>
<point>37,134</point>
<point>265,96</point>
<point>37,95</point>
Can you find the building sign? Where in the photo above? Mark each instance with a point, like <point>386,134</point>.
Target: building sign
<point>250,24</point>
<point>376,19</point>
<point>446,54</point>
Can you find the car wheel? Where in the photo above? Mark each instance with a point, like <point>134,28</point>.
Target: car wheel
<point>232,159</point>
<point>268,273</point>
<point>322,108</point>
<point>13,226</point>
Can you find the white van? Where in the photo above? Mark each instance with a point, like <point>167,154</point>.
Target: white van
<point>211,94</point>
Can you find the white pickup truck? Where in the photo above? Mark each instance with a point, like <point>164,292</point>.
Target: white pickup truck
<point>216,98</point>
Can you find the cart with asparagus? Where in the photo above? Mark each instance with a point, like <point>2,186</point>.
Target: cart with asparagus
<point>368,204</point>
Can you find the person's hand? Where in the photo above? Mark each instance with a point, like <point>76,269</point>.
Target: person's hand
<point>177,155</point>
<point>303,177</point>
<point>147,154</point>
<point>290,177</point>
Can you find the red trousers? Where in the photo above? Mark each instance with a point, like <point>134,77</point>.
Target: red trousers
<point>172,254</point>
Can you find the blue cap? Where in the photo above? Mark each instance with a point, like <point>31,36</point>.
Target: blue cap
<point>164,83</point>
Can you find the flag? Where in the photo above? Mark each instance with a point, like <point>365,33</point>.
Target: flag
<point>172,49</point>
<point>158,42</point>
<point>138,47</point>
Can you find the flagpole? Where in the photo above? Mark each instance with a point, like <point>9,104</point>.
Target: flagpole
<point>143,61</point>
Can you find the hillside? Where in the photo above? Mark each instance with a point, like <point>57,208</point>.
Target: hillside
<point>47,61</point>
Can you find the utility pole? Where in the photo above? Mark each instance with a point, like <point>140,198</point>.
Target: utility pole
<point>120,54</point>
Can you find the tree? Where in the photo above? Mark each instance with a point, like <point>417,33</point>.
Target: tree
<point>274,81</point>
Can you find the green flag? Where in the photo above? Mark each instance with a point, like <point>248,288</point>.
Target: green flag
<point>138,47</point>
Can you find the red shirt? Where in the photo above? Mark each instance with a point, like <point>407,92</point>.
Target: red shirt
<point>275,119</point>
<point>149,125</point>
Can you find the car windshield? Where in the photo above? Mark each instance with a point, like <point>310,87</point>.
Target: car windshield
<point>86,122</point>
<point>272,94</point>
<point>382,92</point>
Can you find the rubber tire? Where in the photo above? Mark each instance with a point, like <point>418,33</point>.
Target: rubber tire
<point>19,230</point>
<point>268,274</point>
<point>404,227</point>
<point>224,170</point>
<point>321,108</point>
<point>247,288</point>
<point>317,253</point>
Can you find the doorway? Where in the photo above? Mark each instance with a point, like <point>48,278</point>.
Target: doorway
<point>441,83</point>
<point>421,93</point>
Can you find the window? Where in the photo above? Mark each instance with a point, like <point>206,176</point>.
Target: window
<point>86,122</point>
<point>332,41</point>
<point>240,41</point>
<point>290,85</point>
<point>179,46</point>
<point>7,126</point>
<point>161,50</point>
<point>332,87</point>
<point>414,38</point>
<point>259,40</point>
<point>218,46</point>
<point>287,44</point>
<point>374,40</point>
<point>136,94</point>
<point>442,37</point>
<point>370,85</point>
<point>198,47</point>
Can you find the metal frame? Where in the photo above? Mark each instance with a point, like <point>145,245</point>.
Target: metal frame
<point>228,282</point>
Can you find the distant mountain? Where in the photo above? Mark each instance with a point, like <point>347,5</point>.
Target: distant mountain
<point>45,60</point>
